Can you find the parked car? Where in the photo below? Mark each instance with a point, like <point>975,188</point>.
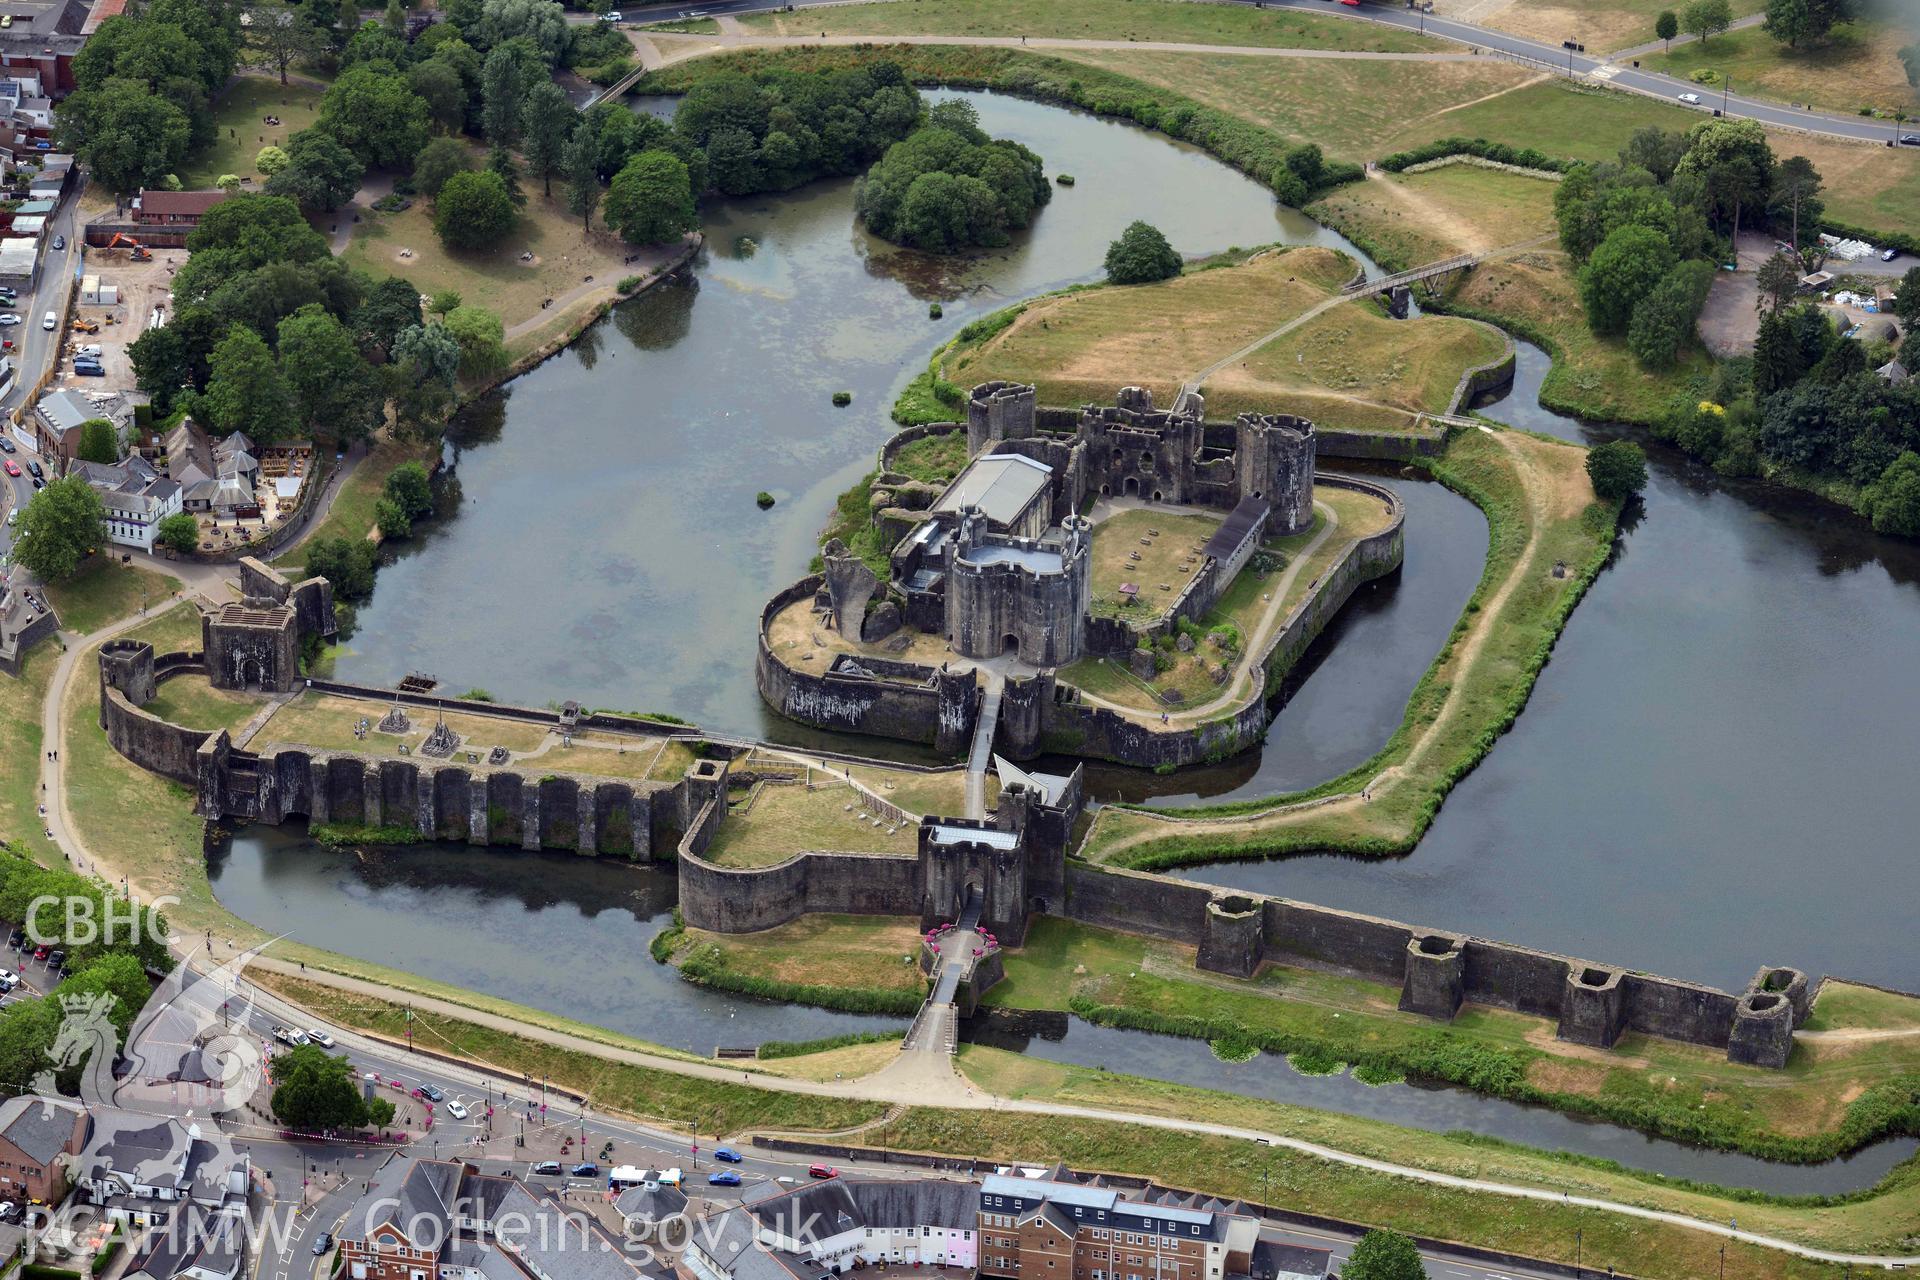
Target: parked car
<point>33,469</point>
<point>546,1169</point>
<point>88,362</point>
<point>822,1171</point>
<point>612,15</point>
<point>39,953</point>
<point>8,979</point>
<point>18,938</point>
<point>13,468</point>
<point>586,1169</point>
<point>1910,139</point>
<point>56,958</point>
<point>320,1038</point>
<point>1691,99</point>
<point>724,1178</point>
<point>1888,255</point>
<point>6,444</point>
<point>726,1154</point>
<point>457,1109</point>
<point>322,1243</point>
<point>91,349</point>
<point>9,318</point>
<point>90,370</point>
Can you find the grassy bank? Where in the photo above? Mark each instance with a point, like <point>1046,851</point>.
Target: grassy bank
<point>351,515</point>
<point>22,749</point>
<point>657,1095</point>
<point>857,964</point>
<point>1856,66</point>
<point>1541,512</point>
<point>104,591</point>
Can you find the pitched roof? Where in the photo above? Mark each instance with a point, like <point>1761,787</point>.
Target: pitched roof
<point>38,1127</point>
<point>1894,372</point>
<point>1246,513</point>
<point>202,1241</point>
<point>173,204</point>
<point>1000,484</point>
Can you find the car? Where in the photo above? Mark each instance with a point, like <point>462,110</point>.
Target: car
<point>18,938</point>
<point>90,371</point>
<point>13,468</point>
<point>50,322</point>
<point>1691,99</point>
<point>9,1211</point>
<point>33,469</point>
<point>8,979</point>
<point>9,318</point>
<point>822,1171</point>
<point>585,1169</point>
<point>6,444</point>
<point>59,243</point>
<point>546,1169</point>
<point>320,1038</point>
<point>1888,255</point>
<point>612,15</point>
<point>322,1243</point>
<point>38,483</point>
<point>726,1154</point>
<point>433,1093</point>
<point>457,1109</point>
<point>88,362</point>
<point>39,953</point>
<point>724,1178</point>
<point>91,349</point>
<point>56,958</point>
<point>1910,139</point>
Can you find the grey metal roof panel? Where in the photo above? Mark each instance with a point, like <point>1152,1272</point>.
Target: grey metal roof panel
<point>1002,485</point>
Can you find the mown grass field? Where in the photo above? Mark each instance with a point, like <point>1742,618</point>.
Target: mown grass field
<point>875,952</point>
<point>1856,66</point>
<point>189,700</point>
<point>1178,21</point>
<point>240,118</point>
<point>1411,218</point>
<point>1601,25</point>
<point>21,750</point>
<point>327,721</point>
<point>104,591</point>
<point>787,819</point>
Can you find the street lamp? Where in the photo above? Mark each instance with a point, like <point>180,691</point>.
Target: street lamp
<point>1726,84</point>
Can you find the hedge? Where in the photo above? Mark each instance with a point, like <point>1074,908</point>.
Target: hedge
<point>1500,152</point>
<point>1886,240</point>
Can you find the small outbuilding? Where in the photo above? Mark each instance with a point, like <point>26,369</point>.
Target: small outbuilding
<point>98,293</point>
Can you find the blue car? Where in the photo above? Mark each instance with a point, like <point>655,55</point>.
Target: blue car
<point>724,1178</point>
<point>727,1154</point>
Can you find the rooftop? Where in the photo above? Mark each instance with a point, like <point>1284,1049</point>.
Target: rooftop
<point>1031,559</point>
<point>945,833</point>
<point>1002,485</point>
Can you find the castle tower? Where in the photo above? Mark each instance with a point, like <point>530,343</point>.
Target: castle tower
<point>126,665</point>
<point>1273,459</point>
<point>998,411</point>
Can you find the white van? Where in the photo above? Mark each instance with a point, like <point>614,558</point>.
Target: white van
<point>50,322</point>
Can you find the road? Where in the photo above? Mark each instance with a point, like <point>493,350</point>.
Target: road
<point>1593,68</point>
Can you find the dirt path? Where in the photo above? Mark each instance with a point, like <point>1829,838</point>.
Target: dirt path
<point>675,47</point>
<point>1549,497</point>
<point>1471,237</point>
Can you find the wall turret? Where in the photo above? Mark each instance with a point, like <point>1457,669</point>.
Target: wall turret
<point>1273,459</point>
<point>999,411</point>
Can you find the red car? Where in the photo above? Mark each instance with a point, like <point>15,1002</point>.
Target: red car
<point>823,1171</point>
<point>13,468</point>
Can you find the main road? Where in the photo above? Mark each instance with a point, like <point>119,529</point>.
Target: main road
<point>1596,69</point>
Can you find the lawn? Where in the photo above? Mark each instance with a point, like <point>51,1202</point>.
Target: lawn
<point>21,750</point>
<point>1082,346</point>
<point>1159,20</point>
<point>104,591</point>
<point>933,459</point>
<point>658,1095</point>
<point>785,819</point>
<point>1601,25</point>
<point>239,118</point>
<point>326,722</point>
<point>564,255</point>
<point>188,700</point>
<point>351,515</point>
<point>1411,218</point>
<point>1149,549</point>
<point>1855,66</point>
<point>1542,512</point>
<point>942,792</point>
<point>869,952</point>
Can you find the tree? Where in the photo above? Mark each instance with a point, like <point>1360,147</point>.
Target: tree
<point>473,211</point>
<point>506,79</point>
<point>345,562</point>
<point>1910,61</point>
<point>438,161</point>
<point>541,23</point>
<point>444,301</point>
<point>129,137</point>
<point>245,389</point>
<point>314,1090</point>
<point>583,175</point>
<point>439,85</point>
<point>1618,469</point>
<point>1384,1255</point>
<point>63,524</point>
<point>1906,299</point>
<point>375,115</point>
<point>269,160</point>
<point>1140,255</point>
<point>1706,18</point>
<point>99,441</point>
<point>1622,271</point>
<point>278,37</point>
<point>391,519</point>
<point>410,488</point>
<point>429,351</point>
<point>1791,21</point>
<point>330,382</point>
<point>178,532</point>
<point>650,200</point>
<point>1896,498</point>
<point>502,161</point>
<point>1666,27</point>
<point>1656,150</point>
<point>390,310</point>
<point>481,337</point>
<point>547,121</point>
<point>1779,280</point>
<point>320,174</point>
<point>1663,320</point>
<point>1796,187</point>
<point>373,45</point>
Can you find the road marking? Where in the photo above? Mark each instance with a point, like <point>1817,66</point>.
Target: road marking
<point>1606,71</point>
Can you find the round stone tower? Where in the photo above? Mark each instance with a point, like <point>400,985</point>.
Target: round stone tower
<point>1274,454</point>
<point>998,411</point>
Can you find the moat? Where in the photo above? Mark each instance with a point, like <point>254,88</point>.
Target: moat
<point>1731,621</point>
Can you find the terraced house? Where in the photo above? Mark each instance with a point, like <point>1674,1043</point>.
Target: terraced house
<point>1052,1229</point>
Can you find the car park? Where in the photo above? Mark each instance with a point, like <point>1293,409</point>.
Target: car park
<point>1691,99</point>
<point>726,1154</point>
<point>723,1178</point>
<point>457,1109</point>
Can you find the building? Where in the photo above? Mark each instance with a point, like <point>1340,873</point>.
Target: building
<point>1057,1227</point>
<point>1894,373</point>
<point>1014,493</point>
<point>213,477</point>
<point>442,1220</point>
<point>19,259</point>
<point>137,498</point>
<point>833,1226</point>
<point>180,209</point>
<point>147,1171</point>
<point>41,39</point>
<point>58,417</point>
<point>199,1245</point>
<point>34,1133</point>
